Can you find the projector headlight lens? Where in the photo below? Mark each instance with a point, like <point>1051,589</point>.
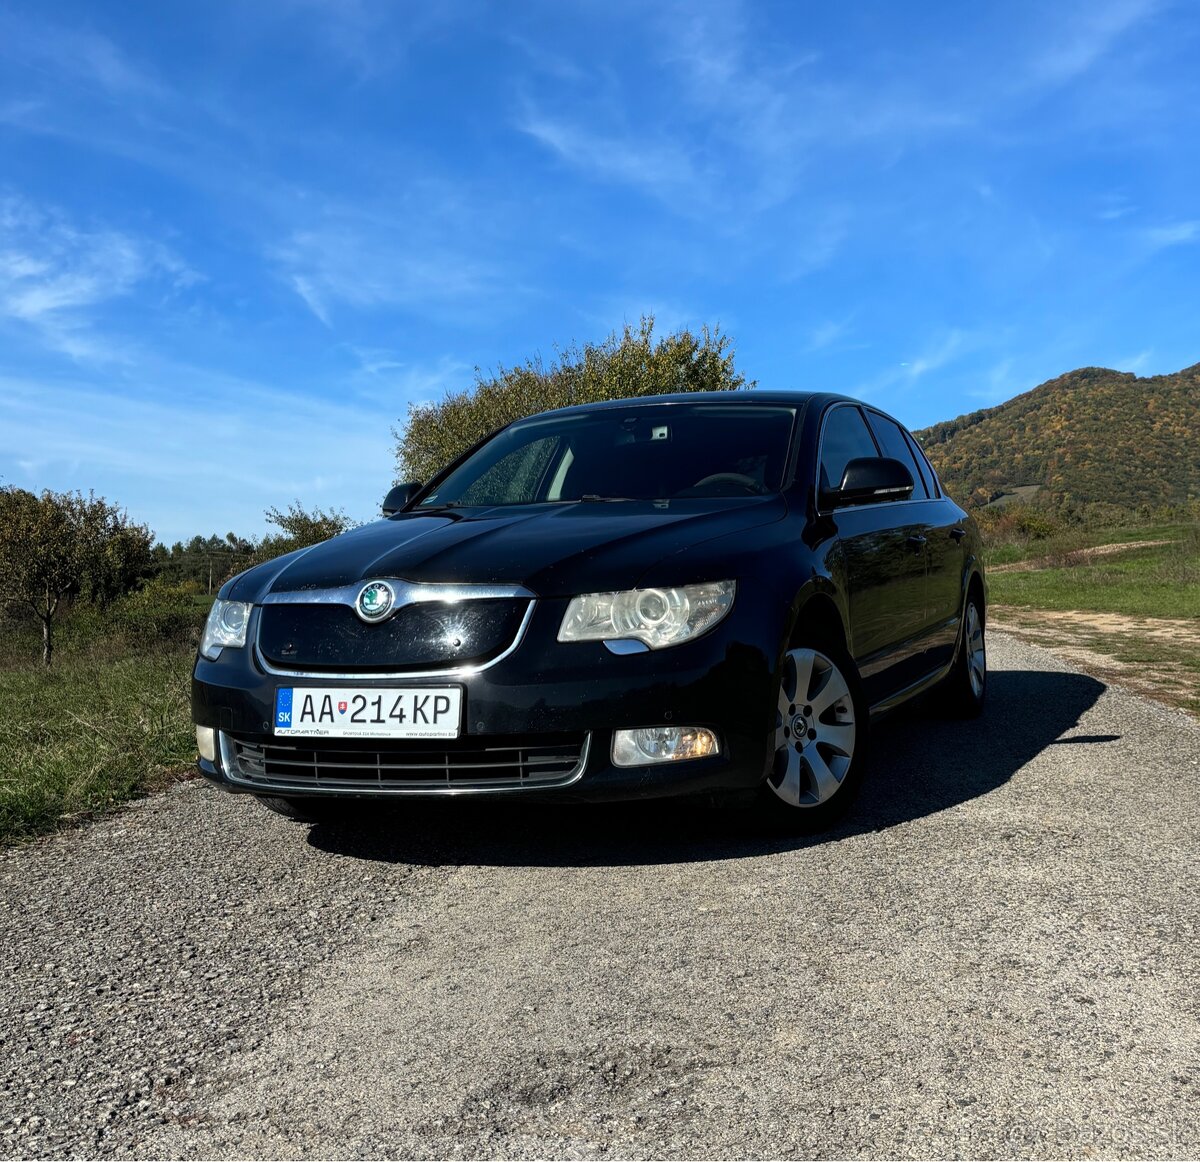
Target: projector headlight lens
<point>662,744</point>
<point>226,626</point>
<point>657,617</point>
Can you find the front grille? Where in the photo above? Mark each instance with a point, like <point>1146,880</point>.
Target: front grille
<point>363,766</point>
<point>328,638</point>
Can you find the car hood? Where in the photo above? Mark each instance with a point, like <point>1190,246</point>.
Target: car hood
<point>554,550</point>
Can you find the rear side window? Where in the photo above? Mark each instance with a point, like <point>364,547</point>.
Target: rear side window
<point>894,444</point>
<point>927,471</point>
<point>846,437</point>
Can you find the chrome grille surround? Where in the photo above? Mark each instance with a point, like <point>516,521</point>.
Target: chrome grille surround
<point>372,767</point>
<point>407,593</point>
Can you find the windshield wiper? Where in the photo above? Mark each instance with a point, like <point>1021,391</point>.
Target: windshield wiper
<point>595,498</point>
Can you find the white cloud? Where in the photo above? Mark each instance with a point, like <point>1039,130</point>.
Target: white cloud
<point>659,167</point>
<point>386,374</point>
<point>75,56</point>
<point>54,275</point>
<point>144,448</point>
<point>369,263</point>
<point>1135,363</point>
<point>938,353</point>
<point>1085,34</point>
<point>1171,234</point>
<point>935,357</point>
<point>826,334</point>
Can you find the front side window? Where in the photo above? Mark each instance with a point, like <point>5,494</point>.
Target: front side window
<point>846,437</point>
<point>648,452</point>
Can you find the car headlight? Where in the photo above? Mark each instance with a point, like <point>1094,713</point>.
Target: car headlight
<point>657,617</point>
<point>226,626</point>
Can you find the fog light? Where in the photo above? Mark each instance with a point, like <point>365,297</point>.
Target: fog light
<point>206,743</point>
<point>662,744</point>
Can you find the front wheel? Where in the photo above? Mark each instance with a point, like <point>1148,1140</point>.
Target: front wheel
<point>820,739</point>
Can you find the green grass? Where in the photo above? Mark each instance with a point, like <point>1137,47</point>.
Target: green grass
<point>1160,581</point>
<point>1081,538</point>
<point>90,733</point>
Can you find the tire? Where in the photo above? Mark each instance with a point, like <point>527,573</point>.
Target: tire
<point>304,810</point>
<point>963,691</point>
<point>821,727</point>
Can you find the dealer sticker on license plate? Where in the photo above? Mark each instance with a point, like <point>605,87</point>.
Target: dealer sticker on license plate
<point>367,712</point>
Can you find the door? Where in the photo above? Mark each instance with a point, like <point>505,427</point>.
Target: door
<point>882,553</point>
<point>937,517</point>
<point>947,563</point>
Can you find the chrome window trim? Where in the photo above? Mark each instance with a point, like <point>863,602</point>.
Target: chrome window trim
<point>367,676</point>
<point>230,769</point>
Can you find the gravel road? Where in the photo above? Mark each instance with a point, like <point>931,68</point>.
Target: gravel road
<point>995,956</point>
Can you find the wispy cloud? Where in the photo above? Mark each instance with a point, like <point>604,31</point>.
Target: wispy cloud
<point>76,57</point>
<point>1135,363</point>
<point>1170,234</point>
<point>382,373</point>
<point>143,443</point>
<point>939,352</point>
<point>366,263</point>
<point>659,167</point>
<point>826,334</point>
<point>1083,36</point>
<point>933,358</point>
<point>53,275</point>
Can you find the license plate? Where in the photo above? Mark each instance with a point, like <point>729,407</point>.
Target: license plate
<point>367,712</point>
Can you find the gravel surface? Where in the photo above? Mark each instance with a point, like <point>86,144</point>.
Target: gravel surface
<point>995,956</point>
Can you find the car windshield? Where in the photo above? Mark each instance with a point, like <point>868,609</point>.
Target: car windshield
<point>647,452</point>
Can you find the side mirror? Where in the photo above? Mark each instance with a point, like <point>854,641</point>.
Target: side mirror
<point>869,480</point>
<point>400,497</point>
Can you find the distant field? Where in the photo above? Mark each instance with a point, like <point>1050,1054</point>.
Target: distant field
<point>1154,581</point>
<point>91,733</point>
<point>1128,615</point>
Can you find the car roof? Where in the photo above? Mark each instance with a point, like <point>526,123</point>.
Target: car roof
<point>749,397</point>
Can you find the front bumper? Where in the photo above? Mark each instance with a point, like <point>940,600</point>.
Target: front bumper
<point>724,681</point>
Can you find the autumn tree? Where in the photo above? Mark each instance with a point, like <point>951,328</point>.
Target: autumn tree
<point>62,544</point>
<point>299,528</point>
<point>635,362</point>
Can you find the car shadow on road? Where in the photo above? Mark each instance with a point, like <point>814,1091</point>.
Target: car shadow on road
<point>921,764</point>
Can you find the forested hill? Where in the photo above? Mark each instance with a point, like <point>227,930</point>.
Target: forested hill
<point>1092,435</point>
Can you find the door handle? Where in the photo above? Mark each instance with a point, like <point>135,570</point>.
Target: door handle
<point>958,535</point>
<point>916,543</point>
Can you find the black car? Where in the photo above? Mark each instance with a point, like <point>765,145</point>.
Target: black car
<point>669,595</point>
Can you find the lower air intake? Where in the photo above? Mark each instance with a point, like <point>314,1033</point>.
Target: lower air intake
<point>363,766</point>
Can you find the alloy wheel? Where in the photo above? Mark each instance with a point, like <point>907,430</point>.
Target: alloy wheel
<point>814,730</point>
<point>976,650</point>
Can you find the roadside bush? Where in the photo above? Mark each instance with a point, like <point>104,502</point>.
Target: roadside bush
<point>1016,524</point>
<point>159,615</point>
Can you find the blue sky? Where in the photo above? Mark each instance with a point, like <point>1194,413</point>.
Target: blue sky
<point>237,239</point>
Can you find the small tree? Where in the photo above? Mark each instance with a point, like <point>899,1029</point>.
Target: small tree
<point>60,544</point>
<point>632,364</point>
<point>300,529</point>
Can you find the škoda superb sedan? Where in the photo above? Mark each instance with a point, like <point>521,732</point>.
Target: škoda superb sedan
<point>673,595</point>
